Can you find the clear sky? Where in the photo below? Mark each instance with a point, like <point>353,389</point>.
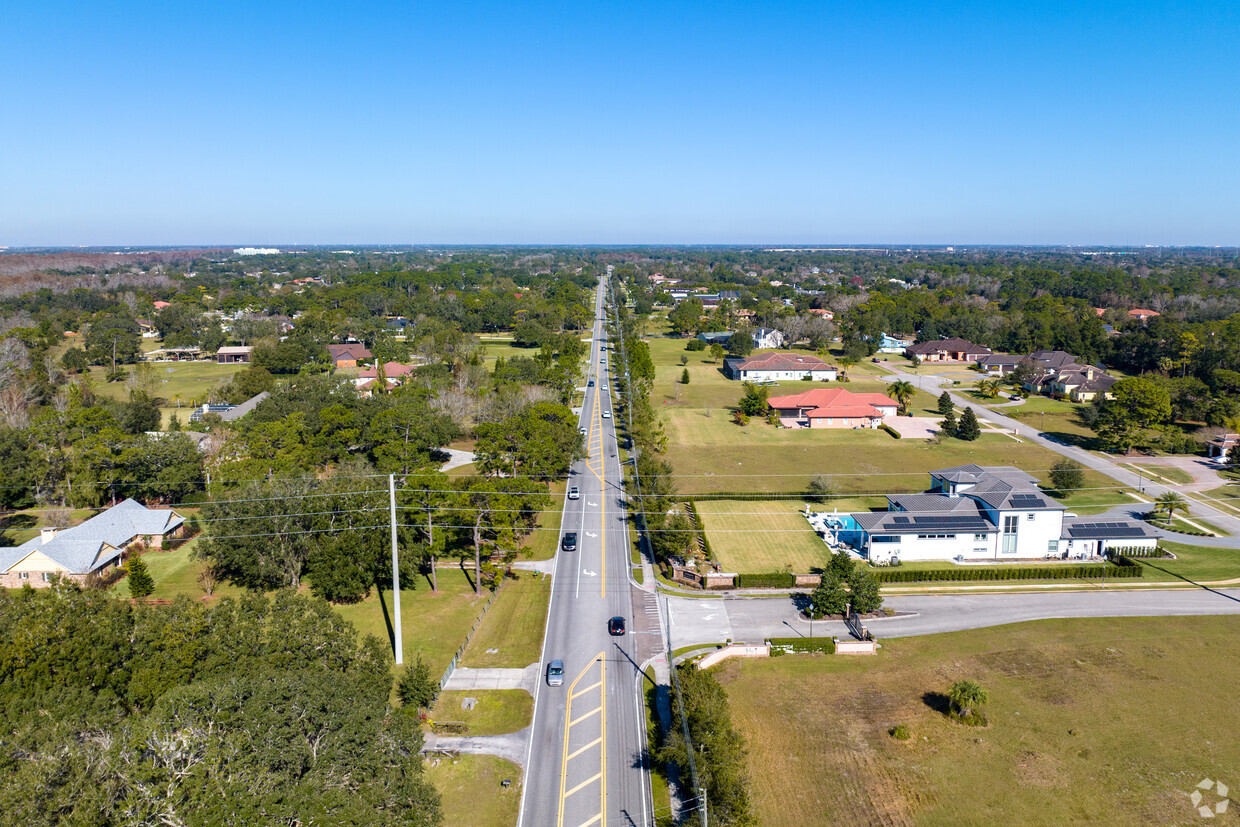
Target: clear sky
<point>619,122</point>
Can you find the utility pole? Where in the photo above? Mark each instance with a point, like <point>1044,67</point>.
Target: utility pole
<point>702,790</point>
<point>400,648</point>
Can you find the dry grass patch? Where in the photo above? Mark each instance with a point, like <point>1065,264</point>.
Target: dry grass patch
<point>1100,720</point>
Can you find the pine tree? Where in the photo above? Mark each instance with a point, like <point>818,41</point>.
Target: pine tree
<point>141,584</point>
<point>416,687</point>
<point>948,426</point>
<point>945,404</point>
<point>684,377</point>
<point>969,429</point>
<point>174,424</point>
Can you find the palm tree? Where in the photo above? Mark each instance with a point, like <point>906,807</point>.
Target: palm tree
<point>902,391</point>
<point>965,695</point>
<point>1171,502</point>
<point>988,388</point>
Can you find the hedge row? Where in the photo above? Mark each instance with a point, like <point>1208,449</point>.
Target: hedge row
<point>769,580</point>
<point>802,644</point>
<point>1117,569</point>
<point>1165,526</point>
<point>890,430</point>
<point>1138,551</point>
<point>691,507</point>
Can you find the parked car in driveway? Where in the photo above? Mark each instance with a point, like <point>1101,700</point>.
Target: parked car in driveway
<point>555,673</point>
<point>615,626</point>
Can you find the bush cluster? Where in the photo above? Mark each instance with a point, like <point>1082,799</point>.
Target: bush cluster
<point>802,644</point>
<point>894,433</point>
<point>1121,567</point>
<point>766,580</point>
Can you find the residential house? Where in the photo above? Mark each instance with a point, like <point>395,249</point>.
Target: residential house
<point>773,367</point>
<point>948,350</point>
<point>1219,449</point>
<point>393,373</point>
<point>233,354</point>
<point>1081,383</point>
<point>162,305</point>
<point>228,413</point>
<point>897,343</point>
<point>1142,314</point>
<point>833,408</point>
<point>716,337</point>
<point>822,311</point>
<point>100,543</point>
<point>766,338</point>
<point>147,328</point>
<point>1001,364</point>
<point>985,513</point>
<point>348,355</point>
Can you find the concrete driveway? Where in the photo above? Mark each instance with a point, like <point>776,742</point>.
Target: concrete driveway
<point>914,427</point>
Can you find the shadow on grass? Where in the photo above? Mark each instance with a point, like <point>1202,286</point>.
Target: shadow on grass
<point>938,702</point>
<point>1146,562</point>
<point>387,619</point>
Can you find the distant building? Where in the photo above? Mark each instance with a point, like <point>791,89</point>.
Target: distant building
<point>833,408</point>
<point>1001,364</point>
<point>774,367</point>
<point>948,350</point>
<point>234,354</point>
<point>100,543</point>
<point>716,337</point>
<point>894,343</point>
<point>256,251</point>
<point>766,338</point>
<point>1142,314</point>
<point>1220,448</point>
<point>226,412</point>
<point>348,355</point>
<point>162,305</point>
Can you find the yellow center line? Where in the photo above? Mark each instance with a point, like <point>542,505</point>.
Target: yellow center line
<point>586,715</point>
<point>588,688</point>
<point>580,750</point>
<point>602,809</point>
<point>589,780</point>
<point>568,713</point>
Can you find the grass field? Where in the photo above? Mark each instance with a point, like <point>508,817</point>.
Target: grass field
<point>750,536</point>
<point>185,382</point>
<point>1195,564</point>
<point>1109,721</point>
<point>514,625</point>
<point>541,543</point>
<point>1167,472</point>
<point>472,791</point>
<point>498,711</point>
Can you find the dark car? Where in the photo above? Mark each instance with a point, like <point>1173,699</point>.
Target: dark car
<point>569,543</point>
<point>615,626</point>
<point>590,384</point>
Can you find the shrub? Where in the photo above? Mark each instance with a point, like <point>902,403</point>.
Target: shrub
<point>890,430</point>
<point>141,584</point>
<point>1119,567</point>
<point>787,645</point>
<point>769,580</point>
<point>416,688</point>
<point>695,345</point>
<point>900,732</point>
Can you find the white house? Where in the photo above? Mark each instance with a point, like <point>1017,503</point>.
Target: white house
<point>1219,449</point>
<point>768,367</point>
<point>991,513</point>
<point>766,338</point>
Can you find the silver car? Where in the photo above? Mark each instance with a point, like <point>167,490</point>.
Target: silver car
<point>555,673</point>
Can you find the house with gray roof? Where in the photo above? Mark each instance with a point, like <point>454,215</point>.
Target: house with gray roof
<point>100,543</point>
<point>986,513</point>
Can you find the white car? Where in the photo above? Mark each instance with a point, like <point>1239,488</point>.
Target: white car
<point>606,414</point>
<point>604,386</point>
<point>574,493</point>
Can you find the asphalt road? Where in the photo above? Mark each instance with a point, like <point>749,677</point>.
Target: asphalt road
<point>587,744</point>
<point>752,620</point>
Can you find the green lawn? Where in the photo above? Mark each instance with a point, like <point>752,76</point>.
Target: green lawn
<point>1167,472</point>
<point>1110,721</point>
<point>1226,497</point>
<point>472,791</point>
<point>750,536</point>
<point>498,711</point>
<point>175,573</point>
<point>1197,564</point>
<point>541,543</point>
<point>513,625</point>
<point>1097,494</point>
<point>182,385</point>
<point>1059,422</point>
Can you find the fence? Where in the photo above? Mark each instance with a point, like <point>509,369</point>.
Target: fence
<point>456,658</point>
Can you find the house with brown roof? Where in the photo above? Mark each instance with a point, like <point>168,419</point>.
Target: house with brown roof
<point>773,367</point>
<point>833,408</point>
<point>1001,364</point>
<point>1219,449</point>
<point>348,355</point>
<point>954,349</point>
<point>1142,314</point>
<point>234,354</point>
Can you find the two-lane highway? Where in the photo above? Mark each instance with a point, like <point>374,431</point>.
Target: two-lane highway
<point>586,763</point>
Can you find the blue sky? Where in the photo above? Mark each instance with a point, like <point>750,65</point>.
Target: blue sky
<point>684,122</point>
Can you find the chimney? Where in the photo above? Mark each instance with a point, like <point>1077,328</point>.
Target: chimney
<point>47,534</point>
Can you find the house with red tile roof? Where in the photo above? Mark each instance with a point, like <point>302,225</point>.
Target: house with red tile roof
<point>348,355</point>
<point>772,367</point>
<point>1142,314</point>
<point>833,408</point>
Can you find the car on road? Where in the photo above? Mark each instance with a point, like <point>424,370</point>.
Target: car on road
<point>590,384</point>
<point>582,430</point>
<point>604,386</point>
<point>615,626</point>
<point>555,673</point>
<point>574,493</point>
<point>569,543</point>
<point>603,361</point>
<point>606,414</point>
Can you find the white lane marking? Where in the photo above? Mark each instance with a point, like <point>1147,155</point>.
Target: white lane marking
<point>592,504</point>
<point>589,573</point>
<point>591,534</point>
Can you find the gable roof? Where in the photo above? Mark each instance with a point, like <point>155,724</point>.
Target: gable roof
<point>391,370</point>
<point>832,402</point>
<point>783,361</point>
<point>353,350</point>
<point>99,540</point>
<point>952,345</point>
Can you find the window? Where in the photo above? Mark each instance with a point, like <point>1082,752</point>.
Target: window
<point>936,536</point>
<point>1030,516</point>
<point>1052,547</point>
<point>23,575</point>
<point>1011,523</point>
<point>885,539</point>
<point>47,577</point>
<point>979,538</point>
